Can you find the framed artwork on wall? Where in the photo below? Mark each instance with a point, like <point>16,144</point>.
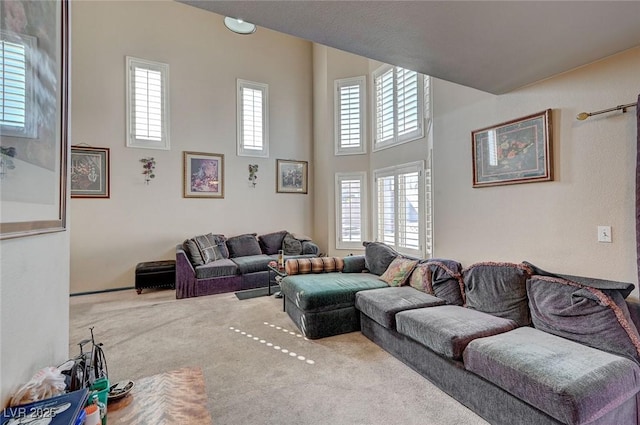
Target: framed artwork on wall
<point>89,172</point>
<point>291,176</point>
<point>517,151</point>
<point>203,175</point>
<point>33,134</point>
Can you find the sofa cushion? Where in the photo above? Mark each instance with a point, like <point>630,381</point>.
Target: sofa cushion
<point>353,264</point>
<point>327,291</point>
<point>378,256</point>
<point>243,245</point>
<point>310,248</point>
<point>217,268</point>
<point>313,265</point>
<point>398,272</point>
<point>192,250</point>
<point>498,289</point>
<point>252,263</point>
<point>381,305</point>
<point>594,317</point>
<point>571,382</point>
<point>441,278</point>
<point>448,329</point>
<point>271,243</point>
<point>291,245</point>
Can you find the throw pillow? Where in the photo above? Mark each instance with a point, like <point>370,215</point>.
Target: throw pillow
<point>353,264</point>
<point>398,271</point>
<point>378,256</point>
<point>271,243</point>
<point>291,245</point>
<point>313,265</point>
<point>221,241</point>
<point>191,248</point>
<point>441,278</point>
<point>243,245</point>
<point>595,317</point>
<point>498,289</point>
<point>208,247</point>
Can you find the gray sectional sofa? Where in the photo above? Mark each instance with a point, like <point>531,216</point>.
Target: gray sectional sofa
<point>514,343</point>
<point>212,264</point>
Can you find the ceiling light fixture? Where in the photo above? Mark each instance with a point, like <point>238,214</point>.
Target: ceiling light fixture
<point>239,25</point>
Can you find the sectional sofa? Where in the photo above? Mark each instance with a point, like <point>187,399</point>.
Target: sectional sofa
<point>212,263</point>
<point>514,343</point>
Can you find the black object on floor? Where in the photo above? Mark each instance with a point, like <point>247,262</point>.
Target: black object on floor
<point>257,292</point>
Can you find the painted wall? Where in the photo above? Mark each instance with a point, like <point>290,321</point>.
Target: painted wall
<point>551,224</point>
<point>144,222</point>
<point>34,307</point>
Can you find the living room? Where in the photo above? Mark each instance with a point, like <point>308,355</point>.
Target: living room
<point>552,224</point>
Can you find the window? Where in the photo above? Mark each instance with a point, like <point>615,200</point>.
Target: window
<point>253,119</point>
<point>400,207</point>
<point>398,106</point>
<point>350,210</point>
<point>17,112</point>
<point>147,104</point>
<point>349,116</point>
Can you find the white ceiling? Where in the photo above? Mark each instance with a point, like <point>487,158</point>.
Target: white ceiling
<point>494,46</point>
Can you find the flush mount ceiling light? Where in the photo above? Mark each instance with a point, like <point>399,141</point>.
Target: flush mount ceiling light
<point>239,26</point>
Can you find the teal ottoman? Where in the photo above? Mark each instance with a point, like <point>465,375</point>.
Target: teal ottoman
<point>323,304</point>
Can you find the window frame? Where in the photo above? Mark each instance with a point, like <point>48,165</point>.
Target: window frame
<point>362,177</point>
<point>396,138</point>
<point>30,129</point>
<point>132,140</point>
<point>395,171</point>
<point>361,82</point>
<point>264,88</point>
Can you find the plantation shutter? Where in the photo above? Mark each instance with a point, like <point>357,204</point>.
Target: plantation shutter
<point>252,123</point>
<point>386,210</point>
<point>147,109</point>
<point>407,102</point>
<point>349,116</point>
<point>408,211</point>
<point>385,113</point>
<point>13,98</point>
<point>351,210</point>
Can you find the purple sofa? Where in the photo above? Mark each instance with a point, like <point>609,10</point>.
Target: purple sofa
<point>212,264</point>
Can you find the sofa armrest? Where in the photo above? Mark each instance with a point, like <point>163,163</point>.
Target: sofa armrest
<point>309,247</point>
<point>634,310</point>
<point>185,275</point>
<point>354,264</point>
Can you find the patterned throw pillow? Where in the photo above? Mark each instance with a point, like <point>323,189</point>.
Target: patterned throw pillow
<point>398,271</point>
<point>314,265</point>
<point>208,246</point>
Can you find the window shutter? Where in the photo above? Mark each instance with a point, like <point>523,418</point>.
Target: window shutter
<point>252,119</point>
<point>147,104</point>
<point>350,210</point>
<point>16,86</point>
<point>385,115</point>
<point>349,108</point>
<point>408,211</point>
<point>386,210</point>
<point>147,98</point>
<point>407,95</point>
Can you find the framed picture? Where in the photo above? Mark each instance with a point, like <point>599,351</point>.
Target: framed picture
<point>203,175</point>
<point>89,172</point>
<point>33,138</point>
<point>518,151</point>
<point>291,176</point>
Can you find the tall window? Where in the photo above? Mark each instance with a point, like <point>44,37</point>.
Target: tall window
<point>398,106</point>
<point>17,112</point>
<point>400,207</point>
<point>147,104</point>
<point>350,210</point>
<point>349,116</point>
<point>253,119</point>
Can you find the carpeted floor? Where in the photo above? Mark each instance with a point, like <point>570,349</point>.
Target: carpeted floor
<point>258,369</point>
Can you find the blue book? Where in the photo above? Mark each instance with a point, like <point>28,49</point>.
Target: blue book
<point>59,410</point>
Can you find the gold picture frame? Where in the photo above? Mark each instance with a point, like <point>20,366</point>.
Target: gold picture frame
<point>203,175</point>
<point>291,176</point>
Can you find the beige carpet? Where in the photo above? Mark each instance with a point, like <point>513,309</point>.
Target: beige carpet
<point>258,369</point>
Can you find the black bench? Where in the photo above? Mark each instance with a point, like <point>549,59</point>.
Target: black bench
<point>156,274</point>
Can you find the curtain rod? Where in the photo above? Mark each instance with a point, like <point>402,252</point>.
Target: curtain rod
<point>584,115</point>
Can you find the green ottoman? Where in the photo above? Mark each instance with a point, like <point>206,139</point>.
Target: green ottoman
<point>323,304</point>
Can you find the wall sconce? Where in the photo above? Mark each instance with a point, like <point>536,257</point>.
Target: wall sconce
<point>253,169</point>
<point>148,167</point>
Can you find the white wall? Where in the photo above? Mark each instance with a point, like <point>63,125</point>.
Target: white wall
<point>144,222</point>
<point>551,224</point>
<point>34,307</point>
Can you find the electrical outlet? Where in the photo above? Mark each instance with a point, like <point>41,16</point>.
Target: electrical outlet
<point>604,234</point>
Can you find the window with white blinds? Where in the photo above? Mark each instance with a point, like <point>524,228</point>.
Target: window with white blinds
<point>147,104</point>
<point>400,207</point>
<point>349,109</point>
<point>350,209</point>
<point>253,119</point>
<point>17,112</point>
<point>398,106</point>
